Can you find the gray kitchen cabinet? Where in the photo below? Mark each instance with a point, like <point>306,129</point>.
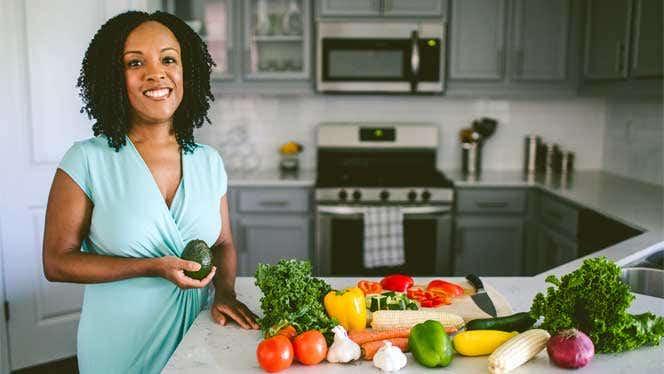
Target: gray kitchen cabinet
<point>607,39</point>
<point>538,44</point>
<point>379,8</point>
<point>488,245</point>
<point>512,48</point>
<point>554,249</point>
<point>477,50</point>
<point>270,223</point>
<point>647,40</point>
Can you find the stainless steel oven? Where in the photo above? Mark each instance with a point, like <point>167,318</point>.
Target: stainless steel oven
<point>381,164</point>
<point>378,56</point>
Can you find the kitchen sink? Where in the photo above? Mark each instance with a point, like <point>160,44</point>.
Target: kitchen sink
<point>644,280</point>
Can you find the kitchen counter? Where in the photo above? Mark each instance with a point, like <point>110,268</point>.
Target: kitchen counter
<point>210,348</point>
<point>271,178</point>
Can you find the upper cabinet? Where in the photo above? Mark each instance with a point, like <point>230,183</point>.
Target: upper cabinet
<point>380,8</point>
<point>477,48</point>
<point>623,48</point>
<point>259,46</point>
<point>213,21</point>
<point>510,46</point>
<point>276,43</point>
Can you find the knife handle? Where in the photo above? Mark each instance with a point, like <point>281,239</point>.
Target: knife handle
<point>475,281</point>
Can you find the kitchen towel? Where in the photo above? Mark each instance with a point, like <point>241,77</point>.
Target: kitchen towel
<point>383,236</point>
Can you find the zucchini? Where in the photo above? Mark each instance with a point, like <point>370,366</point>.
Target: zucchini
<point>389,301</point>
<point>516,322</point>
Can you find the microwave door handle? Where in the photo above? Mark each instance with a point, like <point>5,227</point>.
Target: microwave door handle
<point>414,60</point>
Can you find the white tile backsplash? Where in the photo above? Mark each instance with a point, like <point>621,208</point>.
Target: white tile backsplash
<point>576,124</point>
<point>634,139</point>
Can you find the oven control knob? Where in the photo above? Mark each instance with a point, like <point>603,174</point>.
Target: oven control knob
<point>426,195</point>
<point>357,195</point>
<point>343,195</point>
<point>412,195</point>
<point>384,195</point>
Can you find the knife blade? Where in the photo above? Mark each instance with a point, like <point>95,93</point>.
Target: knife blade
<point>481,298</point>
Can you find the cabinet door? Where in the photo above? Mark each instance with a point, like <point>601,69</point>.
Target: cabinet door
<point>421,8</point>
<point>213,21</point>
<point>647,49</point>
<point>607,39</point>
<point>554,249</point>
<point>539,39</point>
<point>349,8</point>
<point>268,239</point>
<point>488,245</point>
<point>276,40</point>
<point>477,50</point>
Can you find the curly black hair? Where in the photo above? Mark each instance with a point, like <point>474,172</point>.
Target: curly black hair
<point>102,81</point>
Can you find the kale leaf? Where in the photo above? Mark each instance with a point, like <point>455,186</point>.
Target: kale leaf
<point>594,300</point>
<point>291,296</point>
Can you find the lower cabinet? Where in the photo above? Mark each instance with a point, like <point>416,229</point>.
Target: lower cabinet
<point>553,249</point>
<point>269,238</point>
<point>488,245</point>
<point>270,224</point>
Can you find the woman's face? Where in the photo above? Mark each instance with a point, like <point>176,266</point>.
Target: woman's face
<point>153,73</point>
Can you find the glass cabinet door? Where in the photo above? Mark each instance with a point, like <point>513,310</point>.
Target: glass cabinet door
<point>212,20</point>
<point>276,39</point>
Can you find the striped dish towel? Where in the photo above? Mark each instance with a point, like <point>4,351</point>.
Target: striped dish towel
<point>383,237</point>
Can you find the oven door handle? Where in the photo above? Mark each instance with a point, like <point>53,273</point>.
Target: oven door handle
<point>352,210</point>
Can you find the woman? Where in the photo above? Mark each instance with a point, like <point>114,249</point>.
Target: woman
<point>124,204</point>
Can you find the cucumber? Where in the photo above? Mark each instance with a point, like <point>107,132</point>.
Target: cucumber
<point>516,322</point>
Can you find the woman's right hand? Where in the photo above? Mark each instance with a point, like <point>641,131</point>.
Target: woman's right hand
<point>172,268</point>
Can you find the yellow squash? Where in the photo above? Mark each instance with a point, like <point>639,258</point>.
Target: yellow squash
<point>348,306</point>
<point>480,342</point>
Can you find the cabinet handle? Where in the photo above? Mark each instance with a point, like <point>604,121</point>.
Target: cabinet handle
<point>491,204</point>
<point>274,203</point>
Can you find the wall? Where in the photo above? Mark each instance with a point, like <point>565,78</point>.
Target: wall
<point>576,124</point>
<point>634,139</point>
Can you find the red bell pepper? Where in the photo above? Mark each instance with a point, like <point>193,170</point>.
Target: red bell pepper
<point>448,288</point>
<point>427,299</point>
<point>397,282</point>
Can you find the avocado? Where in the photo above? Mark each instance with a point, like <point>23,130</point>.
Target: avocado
<point>196,250</point>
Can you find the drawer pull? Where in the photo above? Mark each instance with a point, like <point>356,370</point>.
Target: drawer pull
<point>274,203</point>
<point>491,204</point>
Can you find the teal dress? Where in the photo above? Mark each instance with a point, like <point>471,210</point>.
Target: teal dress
<point>134,325</point>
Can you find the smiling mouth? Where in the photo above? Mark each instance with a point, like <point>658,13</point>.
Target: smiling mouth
<point>159,93</point>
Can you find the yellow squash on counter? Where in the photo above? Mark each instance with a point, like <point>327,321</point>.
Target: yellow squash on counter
<point>348,306</point>
<point>480,342</point>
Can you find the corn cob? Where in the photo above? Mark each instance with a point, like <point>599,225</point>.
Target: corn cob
<point>396,319</point>
<point>518,350</point>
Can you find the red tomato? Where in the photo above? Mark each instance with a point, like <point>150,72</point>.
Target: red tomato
<point>310,347</point>
<point>288,331</point>
<point>275,353</point>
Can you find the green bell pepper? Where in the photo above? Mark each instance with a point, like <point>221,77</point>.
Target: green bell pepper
<point>430,344</point>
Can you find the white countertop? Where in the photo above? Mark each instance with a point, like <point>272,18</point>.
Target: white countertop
<point>271,178</point>
<point>209,348</point>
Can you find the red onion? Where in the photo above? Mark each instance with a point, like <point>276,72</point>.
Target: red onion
<point>570,349</point>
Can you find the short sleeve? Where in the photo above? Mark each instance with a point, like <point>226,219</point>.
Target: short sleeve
<point>75,164</point>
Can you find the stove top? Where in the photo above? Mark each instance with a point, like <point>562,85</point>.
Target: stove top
<point>382,179</point>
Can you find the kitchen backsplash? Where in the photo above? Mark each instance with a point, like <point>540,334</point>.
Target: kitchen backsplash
<point>634,139</point>
<point>251,128</point>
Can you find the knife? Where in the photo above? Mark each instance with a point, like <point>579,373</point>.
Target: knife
<point>481,298</point>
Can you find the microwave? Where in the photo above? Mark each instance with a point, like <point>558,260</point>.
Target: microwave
<point>380,56</point>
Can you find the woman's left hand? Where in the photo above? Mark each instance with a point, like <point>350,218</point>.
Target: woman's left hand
<point>227,305</point>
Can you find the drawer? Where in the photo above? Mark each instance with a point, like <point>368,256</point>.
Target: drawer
<point>273,200</point>
<point>491,200</point>
<point>558,215</point>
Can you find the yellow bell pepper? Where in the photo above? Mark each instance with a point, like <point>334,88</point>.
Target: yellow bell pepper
<point>348,306</point>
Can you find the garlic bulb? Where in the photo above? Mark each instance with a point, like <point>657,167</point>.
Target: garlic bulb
<point>343,349</point>
<point>389,358</point>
